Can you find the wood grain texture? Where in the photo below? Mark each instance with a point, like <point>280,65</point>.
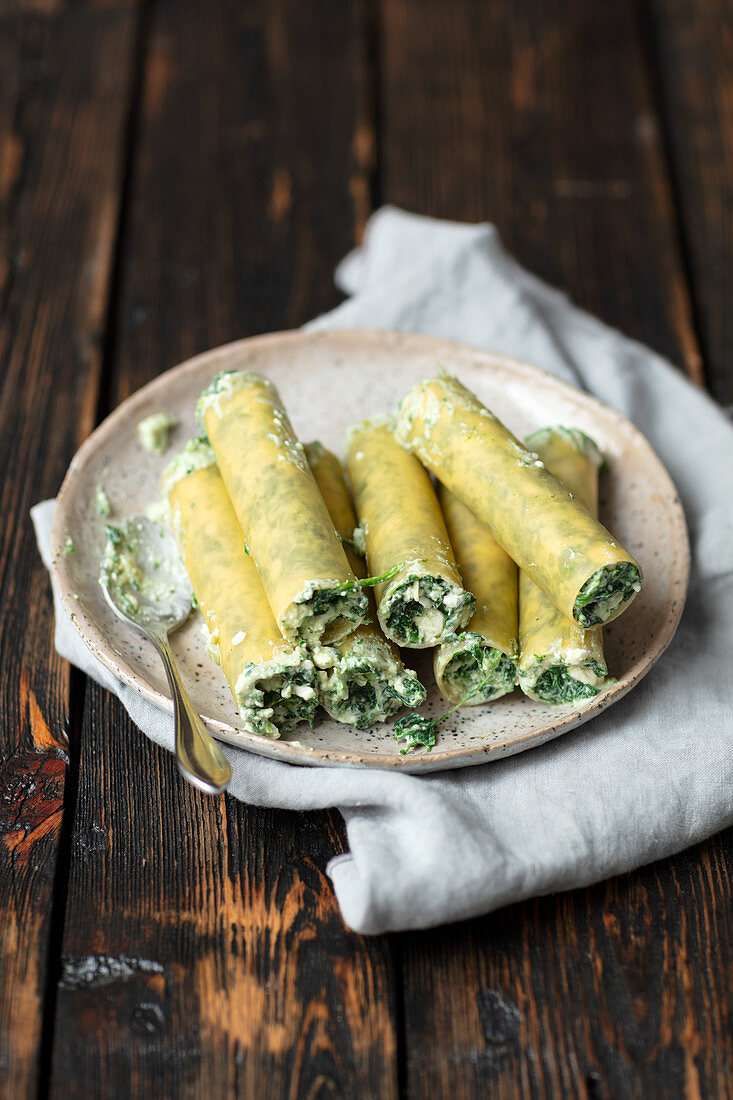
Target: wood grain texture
<point>64,91</point>
<point>690,45</point>
<point>539,117</point>
<point>620,990</point>
<point>204,953</point>
<point>248,177</point>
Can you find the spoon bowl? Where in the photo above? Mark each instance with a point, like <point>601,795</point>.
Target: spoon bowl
<point>145,584</point>
<point>143,577</point>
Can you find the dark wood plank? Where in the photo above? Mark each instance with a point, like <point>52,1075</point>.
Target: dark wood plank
<point>204,953</point>
<point>64,93</point>
<point>539,117</point>
<point>250,181</point>
<point>691,49</point>
<point>621,990</point>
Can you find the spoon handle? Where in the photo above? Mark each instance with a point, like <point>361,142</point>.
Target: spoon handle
<point>199,758</point>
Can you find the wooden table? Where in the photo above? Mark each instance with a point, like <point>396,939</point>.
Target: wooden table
<point>178,173</point>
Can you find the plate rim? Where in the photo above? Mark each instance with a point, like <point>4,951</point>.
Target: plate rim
<point>288,751</point>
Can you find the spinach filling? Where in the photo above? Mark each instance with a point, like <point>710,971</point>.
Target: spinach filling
<point>317,613</point>
<point>480,668</point>
<point>401,620</point>
<point>419,732</point>
<point>361,703</point>
<point>325,601</point>
<point>605,592</point>
<point>288,711</point>
<point>413,607</point>
<point>558,685</point>
<point>416,732</point>
<point>407,689</point>
<point>364,693</point>
<point>276,703</point>
<point>329,603</point>
<point>226,382</point>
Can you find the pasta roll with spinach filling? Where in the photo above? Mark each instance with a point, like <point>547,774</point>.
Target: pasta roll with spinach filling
<point>479,664</point>
<point>579,566</point>
<point>273,681</point>
<point>560,661</point>
<point>304,571</point>
<point>423,599</point>
<point>362,679</point>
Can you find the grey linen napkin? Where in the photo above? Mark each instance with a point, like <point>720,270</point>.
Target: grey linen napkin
<point>648,777</point>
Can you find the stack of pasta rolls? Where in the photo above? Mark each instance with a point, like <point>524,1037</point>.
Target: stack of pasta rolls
<point>523,518</point>
<point>487,551</point>
<point>267,541</point>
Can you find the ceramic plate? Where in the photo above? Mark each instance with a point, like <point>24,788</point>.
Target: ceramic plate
<point>329,380</point>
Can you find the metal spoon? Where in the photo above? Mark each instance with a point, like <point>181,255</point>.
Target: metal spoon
<point>145,584</point>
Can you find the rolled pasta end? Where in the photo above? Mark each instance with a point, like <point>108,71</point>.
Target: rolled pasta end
<point>419,610</point>
<point>225,385</point>
<point>469,670</point>
<point>554,679</point>
<point>562,659</point>
<point>324,612</point>
<point>607,593</point>
<point>365,683</point>
<point>381,420</point>
<point>196,455</point>
<point>576,439</point>
<point>275,696</point>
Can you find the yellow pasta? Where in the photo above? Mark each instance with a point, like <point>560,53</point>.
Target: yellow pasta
<point>362,679</point>
<point>422,599</point>
<point>273,681</point>
<point>561,661</point>
<point>478,664</point>
<point>305,574</point>
<point>586,574</point>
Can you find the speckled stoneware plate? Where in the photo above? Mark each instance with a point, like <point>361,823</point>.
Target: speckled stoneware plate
<point>328,381</point>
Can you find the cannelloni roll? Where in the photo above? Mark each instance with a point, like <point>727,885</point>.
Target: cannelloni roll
<point>304,571</point>
<point>561,661</point>
<point>273,681</point>
<point>579,566</point>
<point>361,679</point>
<point>478,664</point>
<point>422,600</point>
